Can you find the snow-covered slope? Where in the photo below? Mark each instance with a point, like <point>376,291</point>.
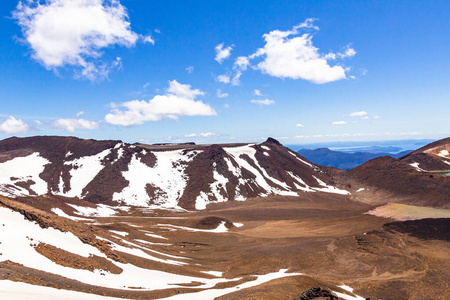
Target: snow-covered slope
<point>187,176</point>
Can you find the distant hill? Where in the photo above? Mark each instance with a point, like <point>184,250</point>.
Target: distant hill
<point>343,160</point>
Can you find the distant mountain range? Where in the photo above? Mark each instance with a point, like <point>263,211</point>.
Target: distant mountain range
<point>343,160</point>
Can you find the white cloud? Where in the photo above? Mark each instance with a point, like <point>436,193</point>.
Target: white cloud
<point>178,101</point>
<point>349,52</point>
<point>73,32</point>
<point>190,69</point>
<point>290,54</point>
<point>236,79</point>
<point>221,94</point>
<point>203,134</point>
<point>257,93</point>
<point>339,122</point>
<point>79,113</point>
<point>148,39</point>
<point>299,125</point>
<point>222,53</point>
<point>223,78</point>
<point>240,65</point>
<point>263,102</point>
<point>13,125</point>
<point>74,124</point>
<point>358,114</point>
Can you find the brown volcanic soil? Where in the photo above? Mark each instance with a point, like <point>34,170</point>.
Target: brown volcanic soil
<point>405,184</point>
<point>325,236</point>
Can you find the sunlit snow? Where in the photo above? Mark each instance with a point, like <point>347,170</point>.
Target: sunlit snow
<point>22,169</point>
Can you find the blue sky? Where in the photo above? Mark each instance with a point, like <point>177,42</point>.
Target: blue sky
<point>228,71</point>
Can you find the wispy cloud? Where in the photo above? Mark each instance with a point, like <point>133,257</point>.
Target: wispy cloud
<point>339,122</point>
<point>358,114</point>
<point>263,102</point>
<point>299,125</point>
<point>73,124</point>
<point>179,100</point>
<point>257,93</point>
<point>79,113</point>
<point>203,134</point>
<point>221,94</point>
<point>190,69</point>
<point>67,32</point>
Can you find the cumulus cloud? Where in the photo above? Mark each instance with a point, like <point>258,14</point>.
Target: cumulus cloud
<point>179,100</point>
<point>358,114</point>
<point>73,32</point>
<point>221,94</point>
<point>299,125</point>
<point>13,125</point>
<point>263,102</point>
<point>223,78</point>
<point>74,124</point>
<point>339,123</point>
<point>222,53</point>
<point>291,54</point>
<point>203,134</point>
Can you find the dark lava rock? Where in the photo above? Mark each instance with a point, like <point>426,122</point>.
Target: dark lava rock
<point>316,293</point>
<point>426,229</point>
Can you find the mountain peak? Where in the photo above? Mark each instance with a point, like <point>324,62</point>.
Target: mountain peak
<point>272,141</point>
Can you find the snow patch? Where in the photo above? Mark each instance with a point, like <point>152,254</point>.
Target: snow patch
<point>13,290</point>
<point>83,171</point>
<point>219,229</point>
<point>61,213</point>
<point>444,153</point>
<point>348,297</point>
<point>122,233</point>
<point>360,190</point>
<point>416,166</point>
<point>346,287</point>
<point>213,273</point>
<point>298,158</point>
<point>167,176</point>
<point>22,169</point>
<point>214,293</point>
<point>329,189</point>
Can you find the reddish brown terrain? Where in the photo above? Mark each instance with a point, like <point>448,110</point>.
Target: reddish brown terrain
<point>300,226</point>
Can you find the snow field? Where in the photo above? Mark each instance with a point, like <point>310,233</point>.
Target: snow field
<point>83,170</point>
<point>18,238</point>
<point>167,175</point>
<point>23,169</point>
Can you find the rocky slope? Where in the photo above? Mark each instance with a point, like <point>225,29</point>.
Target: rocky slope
<point>166,176</point>
<point>418,178</point>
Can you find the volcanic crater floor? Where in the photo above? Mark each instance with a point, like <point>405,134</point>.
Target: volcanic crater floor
<point>328,239</point>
